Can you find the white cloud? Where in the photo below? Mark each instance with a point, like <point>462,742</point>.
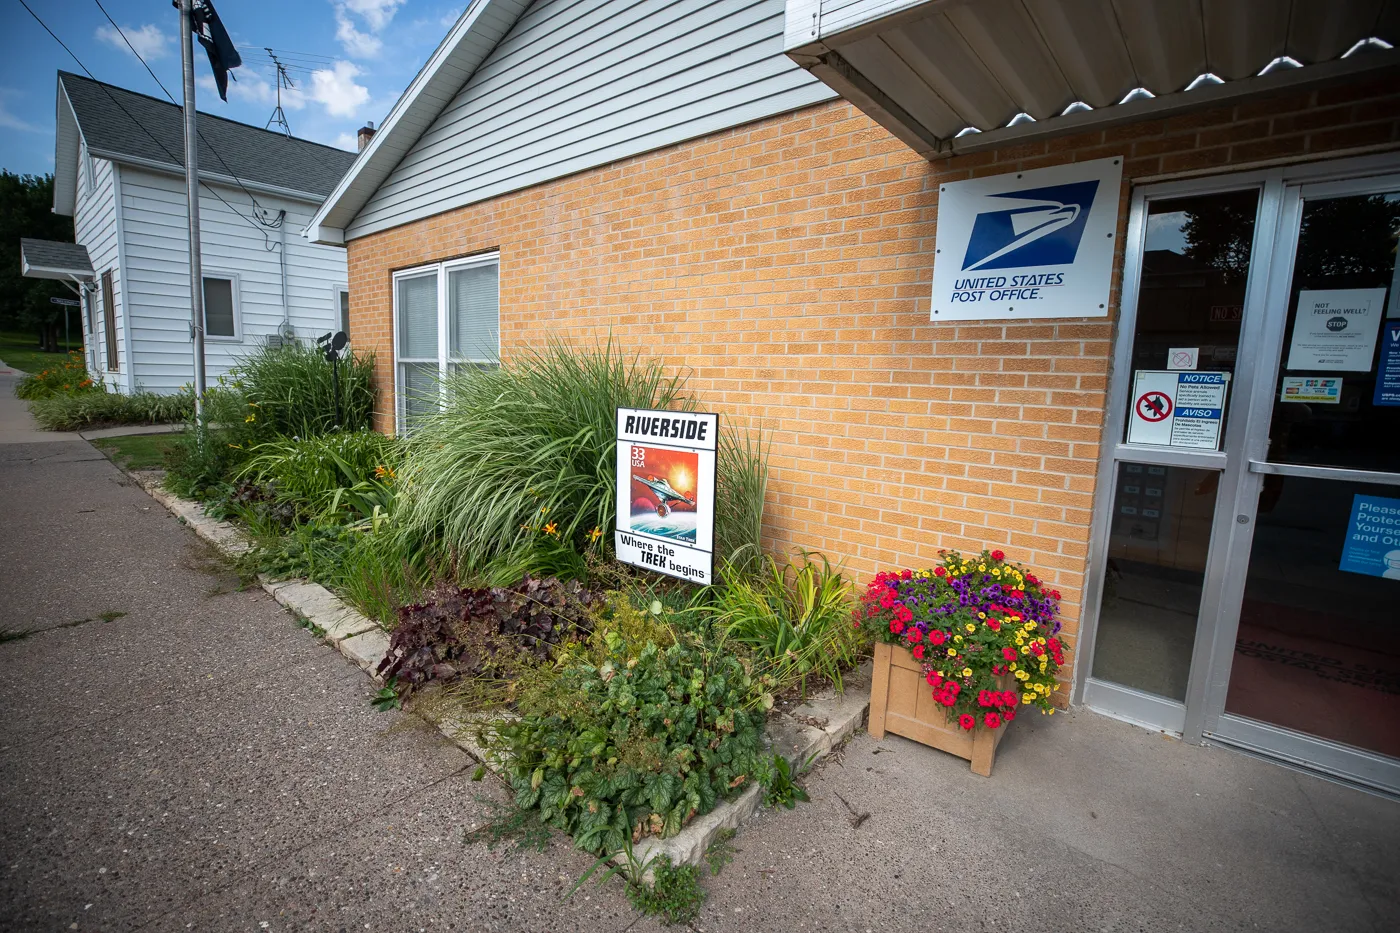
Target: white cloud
<point>148,41</point>
<point>449,19</point>
<point>356,44</point>
<point>250,87</point>
<point>336,90</point>
<point>8,120</point>
<point>376,13</point>
<point>347,141</point>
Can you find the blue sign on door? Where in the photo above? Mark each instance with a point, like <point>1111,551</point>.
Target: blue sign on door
<point>1388,375</point>
<point>1373,537</point>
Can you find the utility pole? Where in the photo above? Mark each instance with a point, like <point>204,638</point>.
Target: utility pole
<point>192,194</point>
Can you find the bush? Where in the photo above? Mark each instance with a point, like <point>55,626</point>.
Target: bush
<point>352,472</point>
<point>531,445</point>
<point>464,631</point>
<point>639,744</point>
<point>290,390</point>
<point>796,618</point>
<point>66,378</point>
<point>88,409</point>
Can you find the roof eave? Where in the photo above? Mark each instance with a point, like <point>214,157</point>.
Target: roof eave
<point>411,115</point>
<point>167,168</point>
<point>67,148</point>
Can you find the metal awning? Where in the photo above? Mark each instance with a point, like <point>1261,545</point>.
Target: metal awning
<point>52,259</point>
<point>951,76</point>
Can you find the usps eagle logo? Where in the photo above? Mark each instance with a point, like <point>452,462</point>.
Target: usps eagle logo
<point>1037,227</point>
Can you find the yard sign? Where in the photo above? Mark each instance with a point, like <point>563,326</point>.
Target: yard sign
<point>666,492</point>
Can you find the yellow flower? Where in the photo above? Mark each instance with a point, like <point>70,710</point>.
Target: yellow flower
<point>980,615</point>
<point>958,639</point>
<point>982,568</point>
<point>544,509</point>
<point>595,534</point>
<point>1025,649</point>
<point>251,418</point>
<point>967,672</point>
<point>1026,697</point>
<point>1011,666</point>
<point>952,652</point>
<point>996,572</point>
<point>1050,711</point>
<point>971,628</point>
<point>551,529</point>
<point>1022,675</point>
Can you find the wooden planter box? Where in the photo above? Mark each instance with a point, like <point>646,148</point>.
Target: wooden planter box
<point>901,701</point>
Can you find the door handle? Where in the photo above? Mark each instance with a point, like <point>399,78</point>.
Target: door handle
<point>1323,472</point>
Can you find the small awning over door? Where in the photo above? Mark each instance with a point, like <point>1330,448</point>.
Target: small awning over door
<point>951,76</point>
<point>52,259</point>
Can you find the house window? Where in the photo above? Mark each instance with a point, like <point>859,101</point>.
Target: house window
<point>221,308</point>
<point>446,316</point>
<point>109,320</point>
<point>342,299</point>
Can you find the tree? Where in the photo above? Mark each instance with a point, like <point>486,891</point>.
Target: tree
<point>26,210</point>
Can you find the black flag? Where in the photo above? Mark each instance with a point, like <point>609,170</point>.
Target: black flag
<point>210,32</point>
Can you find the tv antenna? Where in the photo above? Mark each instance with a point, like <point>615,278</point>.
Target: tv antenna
<point>279,116</point>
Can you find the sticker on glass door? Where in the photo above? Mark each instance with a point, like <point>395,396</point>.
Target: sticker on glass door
<point>1178,409</point>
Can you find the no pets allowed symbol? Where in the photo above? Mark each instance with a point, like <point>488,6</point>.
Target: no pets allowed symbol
<point>1154,406</point>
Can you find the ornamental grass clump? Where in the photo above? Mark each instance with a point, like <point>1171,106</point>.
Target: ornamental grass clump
<point>349,473</point>
<point>985,629</point>
<point>291,390</point>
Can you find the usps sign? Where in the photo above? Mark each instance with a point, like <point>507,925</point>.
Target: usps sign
<point>1034,244</point>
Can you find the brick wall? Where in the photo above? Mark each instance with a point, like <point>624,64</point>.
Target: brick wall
<point>787,264</point>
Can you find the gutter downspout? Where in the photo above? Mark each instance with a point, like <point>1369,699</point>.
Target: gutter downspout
<point>282,257</point>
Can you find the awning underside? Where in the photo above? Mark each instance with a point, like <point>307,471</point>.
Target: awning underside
<point>52,259</point>
<point>950,76</point>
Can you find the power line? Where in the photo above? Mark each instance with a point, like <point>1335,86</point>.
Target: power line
<point>120,32</point>
<point>113,98</point>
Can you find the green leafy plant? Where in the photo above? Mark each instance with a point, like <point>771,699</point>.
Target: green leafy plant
<point>673,893</point>
<point>86,409</point>
<point>386,697</point>
<point>795,617</point>
<point>291,390</point>
<point>350,473</point>
<point>780,786</point>
<point>639,744</point>
<point>66,375</point>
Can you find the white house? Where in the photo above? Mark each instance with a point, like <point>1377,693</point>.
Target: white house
<point>119,173</point>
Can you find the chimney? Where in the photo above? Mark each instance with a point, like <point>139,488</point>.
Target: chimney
<point>365,134</point>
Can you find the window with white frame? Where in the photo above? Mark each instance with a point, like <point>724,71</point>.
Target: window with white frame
<point>221,308</point>
<point>342,305</point>
<point>446,315</point>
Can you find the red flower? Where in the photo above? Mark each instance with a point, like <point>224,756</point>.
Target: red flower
<point>966,721</point>
<point>929,677</point>
<point>896,626</point>
<point>936,638</point>
<point>939,572</point>
<point>915,636</point>
<point>887,598</point>
<point>994,625</point>
<point>903,613</point>
<point>998,555</point>
<point>992,720</point>
<point>998,670</point>
<point>1030,578</point>
<point>906,574</point>
<point>1009,713</point>
<point>1009,698</point>
<point>1055,594</point>
<point>918,652</point>
<point>1009,653</point>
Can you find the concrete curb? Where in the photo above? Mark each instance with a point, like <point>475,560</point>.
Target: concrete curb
<point>131,430</point>
<point>806,735</point>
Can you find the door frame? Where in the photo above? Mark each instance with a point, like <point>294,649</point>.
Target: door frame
<point>1201,717</point>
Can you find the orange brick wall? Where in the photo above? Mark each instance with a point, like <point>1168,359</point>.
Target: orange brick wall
<point>787,264</point>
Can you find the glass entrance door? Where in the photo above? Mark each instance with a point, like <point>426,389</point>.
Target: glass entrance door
<point>1314,671</point>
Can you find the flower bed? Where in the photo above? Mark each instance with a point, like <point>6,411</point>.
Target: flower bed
<point>982,635</point>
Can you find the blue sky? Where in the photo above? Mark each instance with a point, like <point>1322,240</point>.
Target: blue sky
<point>349,60</point>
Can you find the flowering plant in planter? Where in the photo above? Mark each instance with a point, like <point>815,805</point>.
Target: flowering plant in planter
<point>984,629</point>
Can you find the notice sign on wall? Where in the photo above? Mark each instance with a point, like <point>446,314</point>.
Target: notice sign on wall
<point>1034,244</point>
<point>1178,409</point>
<point>1373,537</point>
<point>666,492</point>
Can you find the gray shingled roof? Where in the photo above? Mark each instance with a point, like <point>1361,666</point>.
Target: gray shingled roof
<point>157,135</point>
<point>54,256</point>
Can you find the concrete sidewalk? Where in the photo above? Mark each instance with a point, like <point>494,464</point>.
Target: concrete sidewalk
<point>177,754</point>
<point>17,425</point>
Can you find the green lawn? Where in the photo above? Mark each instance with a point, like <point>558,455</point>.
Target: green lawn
<point>139,451</point>
<point>19,350</point>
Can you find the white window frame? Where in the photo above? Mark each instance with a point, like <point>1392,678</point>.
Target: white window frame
<point>444,360</point>
<point>236,287</point>
<point>336,292</point>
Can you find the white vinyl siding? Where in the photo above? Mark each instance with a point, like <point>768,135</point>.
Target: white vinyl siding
<point>581,83</point>
<point>95,226</point>
<point>157,267</point>
<point>445,315</point>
